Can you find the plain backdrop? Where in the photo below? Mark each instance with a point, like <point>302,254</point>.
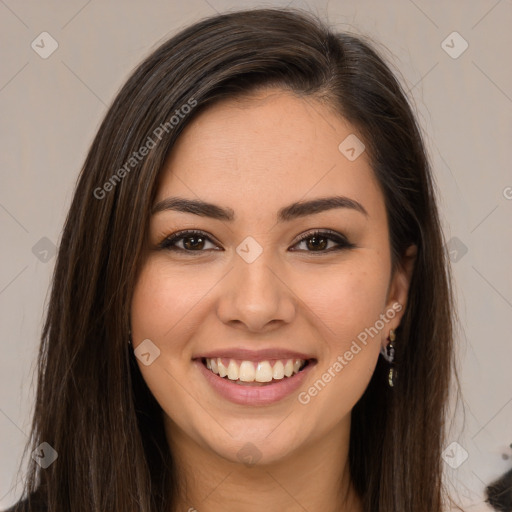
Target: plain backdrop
<point>453,58</point>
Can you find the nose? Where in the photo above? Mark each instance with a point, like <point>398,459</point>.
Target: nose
<point>256,296</point>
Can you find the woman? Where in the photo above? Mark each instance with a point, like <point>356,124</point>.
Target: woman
<point>255,223</point>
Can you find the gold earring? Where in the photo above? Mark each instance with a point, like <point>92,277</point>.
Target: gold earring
<point>391,376</point>
<point>389,354</point>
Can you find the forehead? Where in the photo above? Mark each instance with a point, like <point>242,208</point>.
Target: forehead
<point>271,145</point>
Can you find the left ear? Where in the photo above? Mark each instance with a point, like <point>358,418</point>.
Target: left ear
<point>399,286</point>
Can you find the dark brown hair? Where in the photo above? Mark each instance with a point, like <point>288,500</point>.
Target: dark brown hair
<point>93,406</point>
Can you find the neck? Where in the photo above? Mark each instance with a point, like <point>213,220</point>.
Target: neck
<point>315,477</point>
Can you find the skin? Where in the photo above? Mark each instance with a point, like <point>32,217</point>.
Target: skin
<point>256,155</point>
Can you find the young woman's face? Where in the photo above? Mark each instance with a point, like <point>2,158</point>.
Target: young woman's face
<point>246,288</point>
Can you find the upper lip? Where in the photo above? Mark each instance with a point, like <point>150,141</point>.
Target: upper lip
<point>254,355</point>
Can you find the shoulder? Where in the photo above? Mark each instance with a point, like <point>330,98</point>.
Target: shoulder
<point>20,506</point>
<point>37,505</point>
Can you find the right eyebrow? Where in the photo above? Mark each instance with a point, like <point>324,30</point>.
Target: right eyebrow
<point>285,214</point>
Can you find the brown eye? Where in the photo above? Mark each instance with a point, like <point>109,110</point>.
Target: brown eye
<point>191,241</point>
<point>194,242</point>
<point>318,241</point>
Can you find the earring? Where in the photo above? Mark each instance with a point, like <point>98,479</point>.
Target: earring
<point>389,355</point>
<point>129,336</point>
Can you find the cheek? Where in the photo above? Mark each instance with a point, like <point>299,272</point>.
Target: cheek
<point>163,298</point>
<point>347,308</point>
<point>347,299</point>
<point>161,301</point>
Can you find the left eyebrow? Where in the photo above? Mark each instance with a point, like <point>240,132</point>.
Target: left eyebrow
<point>285,214</point>
<point>302,209</point>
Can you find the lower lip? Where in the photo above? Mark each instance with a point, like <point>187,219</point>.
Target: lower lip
<point>254,395</point>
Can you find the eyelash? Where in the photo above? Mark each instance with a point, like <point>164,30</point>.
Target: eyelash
<point>343,243</point>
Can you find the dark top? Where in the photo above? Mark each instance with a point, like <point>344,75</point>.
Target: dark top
<point>22,506</point>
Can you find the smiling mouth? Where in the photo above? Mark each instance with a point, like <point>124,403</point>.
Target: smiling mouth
<point>255,373</point>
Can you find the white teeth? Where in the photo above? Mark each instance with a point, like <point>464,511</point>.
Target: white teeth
<point>278,372</point>
<point>246,371</point>
<point>263,372</point>
<point>233,370</point>
<point>222,369</point>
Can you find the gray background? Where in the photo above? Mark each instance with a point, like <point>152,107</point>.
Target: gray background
<point>51,108</point>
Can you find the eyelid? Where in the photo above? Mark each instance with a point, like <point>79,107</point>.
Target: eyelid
<point>340,239</point>
<point>328,233</point>
<point>184,233</point>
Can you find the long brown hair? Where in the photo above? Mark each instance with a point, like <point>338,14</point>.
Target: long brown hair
<point>93,406</point>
